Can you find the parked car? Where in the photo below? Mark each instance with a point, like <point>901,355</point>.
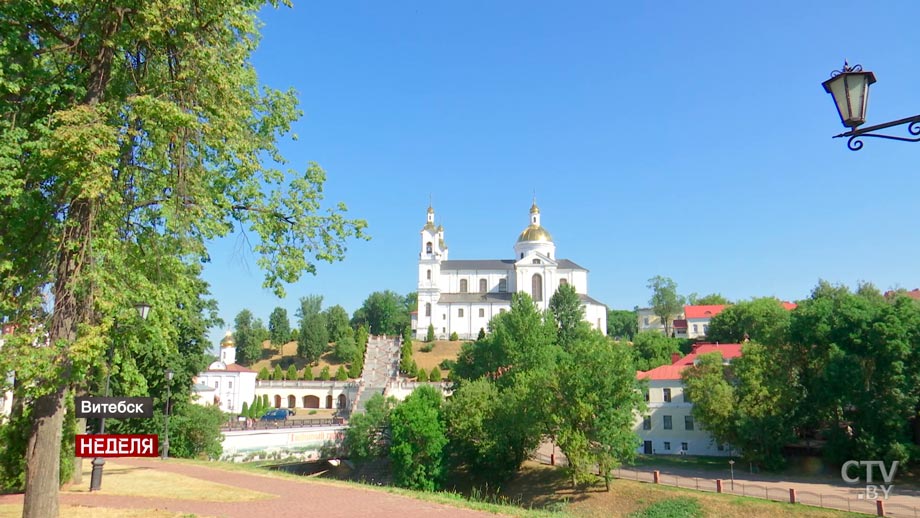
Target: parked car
<point>278,414</point>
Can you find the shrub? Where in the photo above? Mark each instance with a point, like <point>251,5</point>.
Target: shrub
<point>278,374</point>
<point>307,373</point>
<point>245,411</point>
<point>264,375</point>
<point>354,370</point>
<point>447,364</point>
<point>341,375</point>
<point>430,336</point>
<point>292,372</point>
<point>422,375</point>
<point>434,375</point>
<point>324,374</point>
<point>454,336</point>
<point>683,507</point>
<point>427,348</point>
<point>482,334</point>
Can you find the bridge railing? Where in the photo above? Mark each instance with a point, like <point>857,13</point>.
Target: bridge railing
<point>306,384</point>
<point>236,426</point>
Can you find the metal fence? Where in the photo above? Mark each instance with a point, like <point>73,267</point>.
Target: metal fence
<point>853,502</point>
<point>235,426</point>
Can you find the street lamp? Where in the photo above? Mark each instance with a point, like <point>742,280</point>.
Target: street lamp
<point>169,377</point>
<point>849,87</point>
<point>95,479</point>
<point>731,466</point>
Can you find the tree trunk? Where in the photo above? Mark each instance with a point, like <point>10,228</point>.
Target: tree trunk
<point>77,477</point>
<point>43,457</point>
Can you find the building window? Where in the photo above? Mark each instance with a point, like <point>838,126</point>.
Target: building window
<point>667,395</point>
<point>686,397</point>
<point>522,255</point>
<point>427,309</point>
<point>444,316</point>
<point>688,422</point>
<point>460,312</point>
<point>536,287</point>
<point>646,396</point>
<point>463,286</point>
<point>667,422</point>
<point>667,446</point>
<point>428,247</point>
<point>645,322</point>
<point>647,423</point>
<point>695,328</point>
<point>428,275</point>
<point>482,312</point>
<point>483,286</point>
<point>229,384</point>
<point>503,285</point>
<point>536,261</point>
<point>684,447</point>
<point>563,282</point>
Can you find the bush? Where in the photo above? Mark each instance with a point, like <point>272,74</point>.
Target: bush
<point>447,364</point>
<point>245,411</point>
<point>278,374</point>
<point>454,336</point>
<point>434,375</point>
<point>671,508</point>
<point>482,334</point>
<point>427,348</point>
<point>292,372</point>
<point>324,374</point>
<point>307,373</point>
<point>422,375</point>
<point>263,374</point>
<point>430,336</point>
<point>354,370</point>
<point>341,375</point>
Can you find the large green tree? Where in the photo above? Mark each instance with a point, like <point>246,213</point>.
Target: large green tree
<point>762,320</point>
<point>622,323</point>
<point>665,301</point>
<point>130,135</point>
<point>248,347</point>
<point>313,338</point>
<point>652,349</point>
<point>368,433</point>
<point>418,441</point>
<point>384,312</point>
<point>337,323</point>
<point>279,327</point>
<point>713,299</point>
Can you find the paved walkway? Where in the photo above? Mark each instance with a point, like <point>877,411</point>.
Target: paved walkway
<point>293,498</point>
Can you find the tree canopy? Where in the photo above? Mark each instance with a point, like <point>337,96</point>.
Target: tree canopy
<point>384,312</point>
<point>622,323</point>
<point>762,320</point>
<point>279,327</point>
<point>665,301</point>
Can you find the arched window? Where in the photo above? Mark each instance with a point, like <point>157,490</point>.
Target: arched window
<point>329,401</point>
<point>310,402</point>
<point>343,401</point>
<point>463,286</point>
<point>292,401</point>
<point>483,286</point>
<point>277,401</point>
<point>536,287</point>
<point>502,285</point>
<point>428,247</point>
<point>427,309</point>
<point>428,274</point>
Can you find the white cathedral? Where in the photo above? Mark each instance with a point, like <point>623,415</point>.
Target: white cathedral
<point>462,296</point>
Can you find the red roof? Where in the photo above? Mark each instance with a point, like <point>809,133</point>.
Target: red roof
<point>703,311</point>
<point>673,371</point>
<point>790,305</point>
<point>914,293</point>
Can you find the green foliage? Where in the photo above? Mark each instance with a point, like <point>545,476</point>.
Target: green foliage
<point>346,350</point>
<point>279,327</point>
<point>683,507</point>
<point>713,299</point>
<point>278,374</point>
<point>384,312</point>
<point>260,333</point>
<point>430,336</point>
<point>245,411</point>
<point>454,336</point>
<point>307,373</point>
<point>762,320</point>
<point>418,441</point>
<point>406,363</point>
<point>568,315</point>
<point>366,437</point>
<point>427,348</point>
<point>291,372</point>
<point>324,374</point>
<point>652,349</point>
<point>248,347</point>
<point>313,339</point>
<point>406,334</point>
<point>482,334</point>
<point>194,431</point>
<point>665,301</point>
<point>354,370</point>
<point>264,374</point>
<point>434,375</point>
<point>341,374</point>
<point>622,324</point>
<point>337,324</point>
<point>422,375</point>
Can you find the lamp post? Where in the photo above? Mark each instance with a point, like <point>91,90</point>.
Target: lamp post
<point>849,87</point>
<point>731,466</point>
<point>169,377</point>
<point>95,479</point>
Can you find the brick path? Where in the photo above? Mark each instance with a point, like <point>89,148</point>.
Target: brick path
<point>294,498</point>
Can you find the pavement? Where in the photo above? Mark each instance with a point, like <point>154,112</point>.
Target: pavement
<point>291,498</point>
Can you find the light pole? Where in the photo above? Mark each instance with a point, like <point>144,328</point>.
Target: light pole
<point>95,479</point>
<point>849,87</point>
<point>731,466</point>
<point>169,377</point>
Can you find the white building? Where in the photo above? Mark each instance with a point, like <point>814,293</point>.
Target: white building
<point>225,383</point>
<point>668,427</point>
<point>462,296</point>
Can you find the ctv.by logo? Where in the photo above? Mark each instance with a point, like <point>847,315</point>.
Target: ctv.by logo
<point>872,490</point>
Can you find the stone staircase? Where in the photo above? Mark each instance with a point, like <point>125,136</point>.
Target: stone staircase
<point>381,365</point>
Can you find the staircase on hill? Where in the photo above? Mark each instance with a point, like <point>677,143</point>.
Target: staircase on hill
<point>381,364</point>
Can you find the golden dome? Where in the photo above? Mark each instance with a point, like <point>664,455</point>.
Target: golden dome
<point>430,210</point>
<point>535,233</point>
<point>227,341</point>
<point>534,209</point>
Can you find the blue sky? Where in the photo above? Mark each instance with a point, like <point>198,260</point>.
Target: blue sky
<point>685,139</point>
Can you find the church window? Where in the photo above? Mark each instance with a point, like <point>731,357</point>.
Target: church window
<point>428,248</point>
<point>536,261</point>
<point>427,309</point>
<point>229,384</point>
<point>463,286</point>
<point>460,312</point>
<point>428,274</point>
<point>522,255</point>
<point>563,282</point>
<point>536,287</point>
<point>483,286</point>
<point>502,285</point>
<point>482,312</point>
<point>444,316</point>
